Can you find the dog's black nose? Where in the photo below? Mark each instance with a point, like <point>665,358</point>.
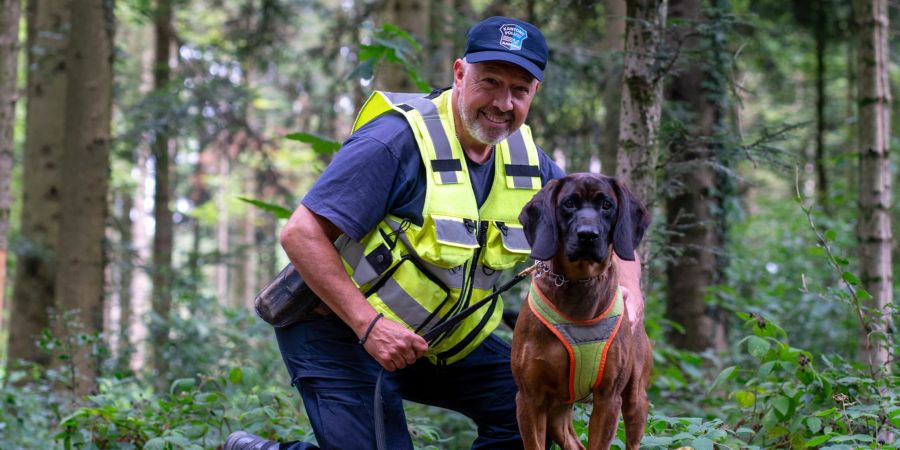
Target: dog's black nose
<point>587,234</point>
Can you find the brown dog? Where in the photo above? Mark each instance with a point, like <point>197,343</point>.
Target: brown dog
<point>575,224</point>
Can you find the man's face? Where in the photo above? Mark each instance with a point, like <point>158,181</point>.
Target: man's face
<point>493,98</point>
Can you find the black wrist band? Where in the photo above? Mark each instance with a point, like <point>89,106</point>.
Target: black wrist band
<point>362,340</point>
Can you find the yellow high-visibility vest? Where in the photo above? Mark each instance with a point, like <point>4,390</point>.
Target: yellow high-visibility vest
<point>421,275</point>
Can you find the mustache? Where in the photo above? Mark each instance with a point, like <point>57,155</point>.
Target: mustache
<point>495,112</point>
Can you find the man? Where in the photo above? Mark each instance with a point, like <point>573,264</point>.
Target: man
<point>412,221</point>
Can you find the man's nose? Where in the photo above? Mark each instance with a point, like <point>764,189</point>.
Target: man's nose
<point>503,100</point>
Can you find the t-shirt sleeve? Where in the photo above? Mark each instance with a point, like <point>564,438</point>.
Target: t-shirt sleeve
<point>355,190</point>
<point>549,169</point>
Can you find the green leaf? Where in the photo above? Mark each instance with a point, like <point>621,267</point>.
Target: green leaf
<point>818,440</point>
<point>853,438</point>
<point>723,376</point>
<point>702,444</point>
<point>814,424</point>
<point>365,70</point>
<point>850,278</point>
<point>830,235</point>
<point>782,404</point>
<point>765,370</point>
<point>757,346</point>
<point>278,211</point>
<point>745,398</point>
<point>235,375</point>
<point>182,384</point>
<point>863,294</point>
<point>156,443</point>
<point>392,29</point>
<point>319,145</point>
<point>370,52</point>
<point>656,441</point>
<point>895,417</point>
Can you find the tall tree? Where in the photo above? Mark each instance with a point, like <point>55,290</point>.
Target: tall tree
<point>412,16</point>
<point>874,219</point>
<point>613,44</point>
<point>9,58</point>
<point>34,293</point>
<point>642,83</point>
<point>84,183</point>
<point>162,212</point>
<point>692,205</point>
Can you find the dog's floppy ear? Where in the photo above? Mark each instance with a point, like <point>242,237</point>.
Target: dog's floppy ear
<point>538,219</point>
<point>632,221</point>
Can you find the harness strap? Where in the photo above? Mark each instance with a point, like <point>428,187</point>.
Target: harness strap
<point>586,341</point>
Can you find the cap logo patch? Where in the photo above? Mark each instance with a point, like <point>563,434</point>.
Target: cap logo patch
<point>511,36</point>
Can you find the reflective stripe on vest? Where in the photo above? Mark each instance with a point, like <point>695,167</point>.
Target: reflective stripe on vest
<point>586,341</point>
<point>420,274</point>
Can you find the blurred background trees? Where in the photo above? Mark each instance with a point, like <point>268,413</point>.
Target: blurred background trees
<point>759,131</point>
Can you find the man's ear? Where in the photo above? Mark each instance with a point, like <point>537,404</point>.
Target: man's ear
<point>459,70</point>
<point>538,219</point>
<point>632,220</point>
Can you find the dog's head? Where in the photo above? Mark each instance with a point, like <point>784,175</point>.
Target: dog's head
<point>584,214</point>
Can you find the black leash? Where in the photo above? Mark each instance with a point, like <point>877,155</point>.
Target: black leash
<point>433,333</point>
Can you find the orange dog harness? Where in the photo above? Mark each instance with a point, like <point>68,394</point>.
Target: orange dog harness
<point>587,341</point>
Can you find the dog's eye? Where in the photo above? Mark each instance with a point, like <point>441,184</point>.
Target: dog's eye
<point>606,204</point>
<point>569,203</point>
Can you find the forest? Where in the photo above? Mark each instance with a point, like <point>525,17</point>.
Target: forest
<point>152,150</point>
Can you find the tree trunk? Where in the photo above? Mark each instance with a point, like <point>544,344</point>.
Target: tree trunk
<point>126,277</point>
<point>162,212</point>
<point>9,58</point>
<point>33,294</point>
<point>440,44</point>
<point>222,232</point>
<point>641,101</point>
<point>821,37</point>
<point>412,16</point>
<point>691,212</point>
<point>84,183</point>
<point>874,220</point>
<point>613,44</point>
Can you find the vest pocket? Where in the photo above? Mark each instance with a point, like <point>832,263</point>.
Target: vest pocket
<point>506,245</point>
<point>446,242</point>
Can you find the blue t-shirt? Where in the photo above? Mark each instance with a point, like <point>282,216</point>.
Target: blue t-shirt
<point>379,171</point>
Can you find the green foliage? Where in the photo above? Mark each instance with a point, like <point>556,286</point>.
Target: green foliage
<point>319,145</point>
<point>279,212</point>
<point>194,413</point>
<point>390,44</point>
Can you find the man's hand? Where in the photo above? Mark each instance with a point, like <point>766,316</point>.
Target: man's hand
<point>393,345</point>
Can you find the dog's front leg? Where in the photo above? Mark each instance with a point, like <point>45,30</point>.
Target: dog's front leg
<point>561,429</point>
<point>604,421</point>
<point>532,419</point>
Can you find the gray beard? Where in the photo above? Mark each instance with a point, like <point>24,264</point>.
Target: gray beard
<point>475,129</point>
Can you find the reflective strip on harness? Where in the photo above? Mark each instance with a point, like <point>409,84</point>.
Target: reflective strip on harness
<point>429,113</point>
<point>581,334</point>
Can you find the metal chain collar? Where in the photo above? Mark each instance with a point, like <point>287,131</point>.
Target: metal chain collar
<point>559,279</point>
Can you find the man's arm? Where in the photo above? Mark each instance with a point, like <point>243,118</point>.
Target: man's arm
<point>307,239</point>
<point>630,278</point>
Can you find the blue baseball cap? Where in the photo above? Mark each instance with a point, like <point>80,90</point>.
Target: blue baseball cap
<point>511,40</point>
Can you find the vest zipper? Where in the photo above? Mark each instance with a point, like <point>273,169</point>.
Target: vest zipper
<point>466,295</point>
